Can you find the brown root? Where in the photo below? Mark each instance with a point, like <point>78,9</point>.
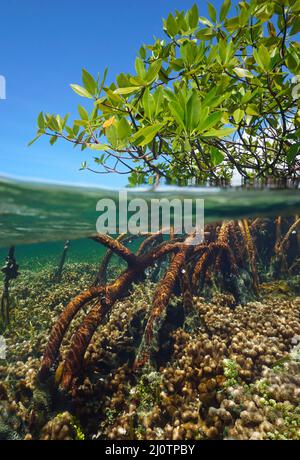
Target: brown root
<point>244,226</point>
<point>283,243</point>
<point>60,327</point>
<point>160,302</point>
<point>107,296</point>
<point>117,247</point>
<point>101,275</point>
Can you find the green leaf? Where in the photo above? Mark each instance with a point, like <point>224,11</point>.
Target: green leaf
<point>140,68</point>
<point>158,100</point>
<point>205,21</point>
<point>208,121</point>
<point>292,153</point>
<point>295,6</point>
<point>148,103</point>
<point>238,115</point>
<point>35,139</point>
<point>145,135</point>
<point>224,9</point>
<point>94,113</point>
<point>212,12</point>
<point>89,82</point>
<point>81,91</point>
<point>219,132</point>
<point>171,26</point>
<point>122,80</point>
<point>262,57</point>
<point>129,90</point>
<point>53,124</point>
<point>292,62</point>
<point>98,146</point>
<point>103,80</point>
<point>247,96</point>
<point>112,136</point>
<point>178,113</point>
<point>79,123</point>
<point>41,121</point>
<point>205,34</point>
<point>53,139</point>
<point>59,122</point>
<point>153,70</point>
<point>232,24</point>
<point>212,99</point>
<point>136,81</point>
<point>143,53</point>
<point>185,51</point>
<point>216,156</point>
<point>100,160</point>
<point>83,113</point>
<point>123,129</point>
<point>240,72</point>
<point>244,13</point>
<point>295,26</point>
<point>65,119</point>
<point>193,112</point>
<point>112,96</point>
<point>193,17</point>
<point>252,110</point>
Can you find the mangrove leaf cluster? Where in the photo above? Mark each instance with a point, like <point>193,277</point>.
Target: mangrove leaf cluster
<point>217,94</point>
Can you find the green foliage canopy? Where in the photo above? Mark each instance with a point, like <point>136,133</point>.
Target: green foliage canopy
<point>217,94</point>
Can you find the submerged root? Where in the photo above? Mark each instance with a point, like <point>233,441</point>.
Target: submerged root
<point>186,290</point>
<point>160,302</point>
<point>107,296</point>
<point>280,264</point>
<point>101,275</point>
<point>244,226</point>
<point>216,257</point>
<point>60,328</point>
<point>283,243</point>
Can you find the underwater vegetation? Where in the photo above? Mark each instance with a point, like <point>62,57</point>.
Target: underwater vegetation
<point>170,341</point>
<point>10,271</point>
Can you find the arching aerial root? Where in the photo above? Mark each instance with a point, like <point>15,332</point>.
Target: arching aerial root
<point>101,275</point>
<point>107,296</point>
<point>161,299</point>
<point>60,327</point>
<point>215,255</point>
<point>124,239</point>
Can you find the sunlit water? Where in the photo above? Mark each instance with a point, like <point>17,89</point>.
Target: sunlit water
<point>36,213</point>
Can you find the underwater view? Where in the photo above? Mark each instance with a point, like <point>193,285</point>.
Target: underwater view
<point>141,337</point>
<point>150,224</point>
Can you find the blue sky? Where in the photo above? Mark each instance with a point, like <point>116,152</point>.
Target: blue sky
<point>43,46</point>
